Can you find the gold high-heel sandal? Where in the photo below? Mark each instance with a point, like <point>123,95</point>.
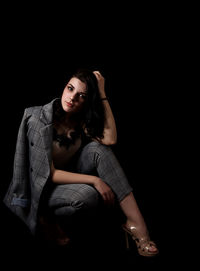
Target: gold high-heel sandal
<point>143,244</point>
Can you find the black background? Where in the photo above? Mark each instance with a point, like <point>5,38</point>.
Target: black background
<point>139,56</point>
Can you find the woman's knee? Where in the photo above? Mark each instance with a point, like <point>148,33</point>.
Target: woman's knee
<point>88,196</point>
<point>95,147</point>
<point>83,197</point>
<point>91,155</point>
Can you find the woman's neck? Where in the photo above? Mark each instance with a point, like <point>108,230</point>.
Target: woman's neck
<point>70,121</point>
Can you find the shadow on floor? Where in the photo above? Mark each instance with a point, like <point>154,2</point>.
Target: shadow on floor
<point>100,245</point>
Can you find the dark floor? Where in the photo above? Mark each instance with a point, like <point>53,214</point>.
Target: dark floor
<point>94,247</point>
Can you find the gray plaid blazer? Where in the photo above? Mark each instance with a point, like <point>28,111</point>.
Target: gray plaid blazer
<point>32,161</point>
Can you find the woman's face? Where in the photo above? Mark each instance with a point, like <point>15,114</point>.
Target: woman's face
<point>74,95</point>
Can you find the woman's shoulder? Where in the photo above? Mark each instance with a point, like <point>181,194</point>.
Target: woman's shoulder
<point>33,111</point>
<point>37,109</point>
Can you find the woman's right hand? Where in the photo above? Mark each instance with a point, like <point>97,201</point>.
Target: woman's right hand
<point>105,191</point>
<point>101,83</point>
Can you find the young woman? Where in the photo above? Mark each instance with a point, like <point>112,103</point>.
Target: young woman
<point>63,163</point>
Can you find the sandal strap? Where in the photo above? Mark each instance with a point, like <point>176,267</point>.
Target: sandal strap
<point>145,244</point>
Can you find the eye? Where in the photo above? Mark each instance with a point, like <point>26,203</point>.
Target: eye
<point>82,95</point>
<point>70,88</point>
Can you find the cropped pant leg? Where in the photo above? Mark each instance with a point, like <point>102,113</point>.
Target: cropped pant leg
<point>101,158</point>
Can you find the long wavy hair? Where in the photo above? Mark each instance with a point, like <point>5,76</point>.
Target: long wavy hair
<point>92,115</point>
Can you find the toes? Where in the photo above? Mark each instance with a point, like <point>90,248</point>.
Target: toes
<point>153,249</point>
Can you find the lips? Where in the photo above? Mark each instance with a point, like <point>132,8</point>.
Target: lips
<point>69,104</point>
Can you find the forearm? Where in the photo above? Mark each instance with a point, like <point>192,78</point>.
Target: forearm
<point>65,177</point>
<point>110,130</point>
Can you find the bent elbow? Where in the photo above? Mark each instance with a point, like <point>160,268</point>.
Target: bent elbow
<point>111,141</point>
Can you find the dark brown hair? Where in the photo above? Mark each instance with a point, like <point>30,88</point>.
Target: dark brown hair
<point>92,116</point>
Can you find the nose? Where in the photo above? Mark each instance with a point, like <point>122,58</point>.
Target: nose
<point>72,98</point>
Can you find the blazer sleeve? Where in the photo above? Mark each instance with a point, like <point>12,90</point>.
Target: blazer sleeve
<point>19,189</point>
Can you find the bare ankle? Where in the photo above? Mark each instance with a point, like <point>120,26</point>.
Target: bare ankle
<point>140,225</point>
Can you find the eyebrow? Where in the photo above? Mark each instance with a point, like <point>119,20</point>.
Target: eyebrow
<point>70,85</point>
<point>82,92</point>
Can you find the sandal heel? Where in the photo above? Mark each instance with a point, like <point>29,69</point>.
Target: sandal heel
<point>127,240</point>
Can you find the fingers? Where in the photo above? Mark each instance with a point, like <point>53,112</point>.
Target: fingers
<point>97,74</point>
<point>105,191</point>
<point>109,198</point>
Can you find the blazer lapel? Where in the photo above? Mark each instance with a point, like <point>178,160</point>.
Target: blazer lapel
<point>47,130</point>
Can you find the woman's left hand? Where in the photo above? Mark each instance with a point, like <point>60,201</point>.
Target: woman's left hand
<point>101,83</point>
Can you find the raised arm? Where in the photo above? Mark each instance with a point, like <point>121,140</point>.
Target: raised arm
<point>110,131</point>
